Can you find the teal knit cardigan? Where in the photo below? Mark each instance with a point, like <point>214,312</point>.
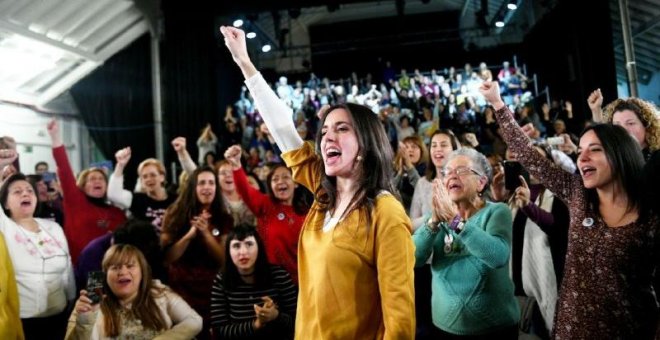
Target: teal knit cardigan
<point>472,290</point>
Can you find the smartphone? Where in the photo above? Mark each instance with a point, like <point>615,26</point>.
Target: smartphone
<point>512,172</point>
<point>95,283</point>
<point>555,140</point>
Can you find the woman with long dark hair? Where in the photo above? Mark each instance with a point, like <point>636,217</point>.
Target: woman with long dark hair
<point>280,213</point>
<point>251,298</point>
<point>193,231</point>
<point>356,230</point>
<point>606,291</point>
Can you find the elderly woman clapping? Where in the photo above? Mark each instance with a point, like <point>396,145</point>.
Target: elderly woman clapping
<point>471,240</point>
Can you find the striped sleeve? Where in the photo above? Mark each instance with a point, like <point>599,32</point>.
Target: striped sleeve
<point>221,309</point>
<point>288,298</point>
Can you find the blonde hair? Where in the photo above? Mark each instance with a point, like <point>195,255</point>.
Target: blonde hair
<point>183,183</point>
<point>151,161</point>
<point>82,177</point>
<point>645,111</point>
<point>144,306</point>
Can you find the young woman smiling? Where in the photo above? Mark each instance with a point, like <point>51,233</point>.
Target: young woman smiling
<point>193,240</point>
<point>606,291</point>
<point>280,213</point>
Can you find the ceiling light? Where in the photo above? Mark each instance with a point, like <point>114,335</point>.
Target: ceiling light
<point>266,48</point>
<point>238,23</point>
<point>512,6</point>
<point>499,24</point>
<point>251,35</point>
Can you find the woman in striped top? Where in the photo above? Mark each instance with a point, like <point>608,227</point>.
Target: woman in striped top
<point>251,298</point>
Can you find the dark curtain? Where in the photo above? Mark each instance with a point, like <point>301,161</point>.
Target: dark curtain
<point>115,102</point>
<point>188,57</point>
<point>571,49</point>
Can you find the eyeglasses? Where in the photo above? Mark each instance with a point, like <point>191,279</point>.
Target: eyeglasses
<point>460,171</point>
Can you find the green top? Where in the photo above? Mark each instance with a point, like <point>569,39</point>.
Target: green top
<point>472,291</point>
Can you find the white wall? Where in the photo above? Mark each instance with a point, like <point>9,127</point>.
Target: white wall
<point>33,142</point>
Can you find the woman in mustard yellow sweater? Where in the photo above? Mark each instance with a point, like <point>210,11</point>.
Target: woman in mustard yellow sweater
<point>355,255</point>
<point>10,322</point>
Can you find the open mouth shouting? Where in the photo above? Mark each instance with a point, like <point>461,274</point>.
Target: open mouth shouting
<point>332,156</point>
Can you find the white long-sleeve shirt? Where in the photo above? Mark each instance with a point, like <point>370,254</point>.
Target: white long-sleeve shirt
<point>42,265</point>
<point>275,113</point>
<point>117,194</point>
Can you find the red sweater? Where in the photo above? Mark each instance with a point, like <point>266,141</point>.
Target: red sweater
<point>278,225</point>
<point>84,221</point>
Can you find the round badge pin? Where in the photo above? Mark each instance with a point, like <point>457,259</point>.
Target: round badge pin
<point>215,232</point>
<point>588,222</point>
<point>280,216</point>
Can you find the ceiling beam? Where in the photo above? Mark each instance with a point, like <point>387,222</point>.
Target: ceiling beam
<point>20,30</point>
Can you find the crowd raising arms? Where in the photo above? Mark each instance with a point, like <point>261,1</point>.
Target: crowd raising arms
<point>606,291</point>
<point>355,230</point>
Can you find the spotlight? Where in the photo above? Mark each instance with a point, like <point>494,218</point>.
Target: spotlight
<point>266,48</point>
<point>238,23</point>
<point>499,24</point>
<point>251,35</point>
<point>512,6</point>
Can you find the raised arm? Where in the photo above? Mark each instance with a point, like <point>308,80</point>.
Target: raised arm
<point>557,180</point>
<point>70,190</point>
<point>595,102</point>
<point>7,157</point>
<point>255,199</point>
<point>276,114</point>
<point>187,164</point>
<point>116,192</point>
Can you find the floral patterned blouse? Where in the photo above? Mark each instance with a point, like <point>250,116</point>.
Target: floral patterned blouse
<point>606,292</point>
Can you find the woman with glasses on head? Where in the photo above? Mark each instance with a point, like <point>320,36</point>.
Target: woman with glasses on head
<point>470,239</point>
<point>612,240</point>
<point>41,260</point>
<point>355,255</point>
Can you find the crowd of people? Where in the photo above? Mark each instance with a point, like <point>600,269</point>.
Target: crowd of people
<point>433,206</point>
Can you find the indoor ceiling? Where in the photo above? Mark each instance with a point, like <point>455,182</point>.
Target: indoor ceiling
<point>645,29</point>
<point>47,46</point>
